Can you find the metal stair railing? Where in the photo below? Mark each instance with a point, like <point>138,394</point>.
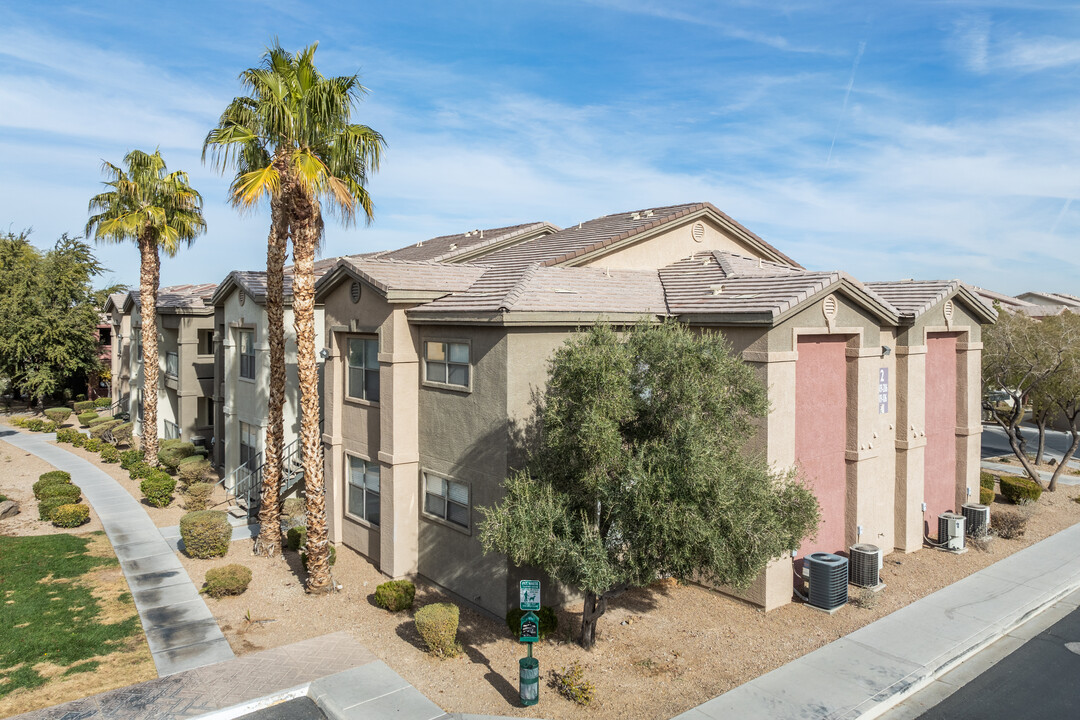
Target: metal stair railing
<point>244,483</point>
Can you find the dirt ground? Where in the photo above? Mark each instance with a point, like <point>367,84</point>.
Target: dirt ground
<point>19,470</point>
<point>1044,466</point>
<point>660,651</point>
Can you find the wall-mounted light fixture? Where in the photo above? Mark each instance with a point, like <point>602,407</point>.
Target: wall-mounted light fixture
<point>324,353</point>
<point>886,351</point>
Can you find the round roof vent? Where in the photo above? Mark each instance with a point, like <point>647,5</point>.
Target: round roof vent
<point>354,291</point>
<point>828,307</point>
<point>243,297</point>
<point>698,231</point>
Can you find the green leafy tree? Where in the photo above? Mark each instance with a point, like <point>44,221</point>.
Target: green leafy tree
<point>291,140</point>
<point>640,471</point>
<point>48,313</point>
<point>160,212</point>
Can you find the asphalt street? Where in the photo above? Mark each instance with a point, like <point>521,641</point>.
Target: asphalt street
<point>1039,679</point>
<point>994,441</point>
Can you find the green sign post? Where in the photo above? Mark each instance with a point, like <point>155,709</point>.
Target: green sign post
<point>529,667</point>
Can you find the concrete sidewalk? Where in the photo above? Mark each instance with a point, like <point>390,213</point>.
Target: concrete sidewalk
<point>180,629</point>
<point>870,670</point>
<point>1005,469</point>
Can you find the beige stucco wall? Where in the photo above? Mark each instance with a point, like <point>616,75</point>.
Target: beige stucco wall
<point>671,245</point>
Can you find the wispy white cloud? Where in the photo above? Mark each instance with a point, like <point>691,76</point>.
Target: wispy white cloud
<point>986,47</point>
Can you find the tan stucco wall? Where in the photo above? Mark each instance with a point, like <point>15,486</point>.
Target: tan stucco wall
<point>671,245</point>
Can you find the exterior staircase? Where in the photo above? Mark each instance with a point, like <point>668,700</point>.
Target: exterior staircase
<point>243,486</point>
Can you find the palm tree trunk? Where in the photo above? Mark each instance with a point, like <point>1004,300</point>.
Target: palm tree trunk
<point>269,541</point>
<point>305,227</point>
<point>149,276</point>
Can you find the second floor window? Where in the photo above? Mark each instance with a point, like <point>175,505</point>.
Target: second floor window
<point>172,363</point>
<point>363,380</point>
<point>363,501</point>
<point>447,363</point>
<point>247,354</point>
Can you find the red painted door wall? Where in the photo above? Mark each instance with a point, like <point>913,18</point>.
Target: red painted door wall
<point>939,492</point>
<point>821,434</point>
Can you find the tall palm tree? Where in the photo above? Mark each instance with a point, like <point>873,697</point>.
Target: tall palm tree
<point>160,212</point>
<point>291,140</point>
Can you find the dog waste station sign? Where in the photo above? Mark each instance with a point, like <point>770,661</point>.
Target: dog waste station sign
<point>529,667</point>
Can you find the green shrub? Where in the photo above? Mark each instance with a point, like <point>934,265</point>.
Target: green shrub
<point>50,479</point>
<point>140,471</point>
<point>80,397</point>
<point>549,621</point>
<point>1008,524</point>
<point>58,415</point>
<point>48,505</point>
<point>121,434</point>
<point>66,435</point>
<point>1019,490</point>
<point>198,495</point>
<point>570,682</point>
<point>437,624</point>
<point>78,439</point>
<point>128,458</point>
<point>157,490</point>
<point>395,595</point>
<point>171,455</point>
<point>103,402</point>
<point>227,580</point>
<point>19,422</point>
<point>93,444</point>
<point>70,493</point>
<point>296,537</point>
<point>110,453</point>
<point>99,420</point>
<point>35,424</point>
<point>84,406</point>
<point>987,480</point>
<point>86,417</point>
<point>193,469</point>
<point>986,496</point>
<point>100,429</point>
<point>303,555</point>
<point>206,533</point>
<point>70,516</point>
<point>48,426</point>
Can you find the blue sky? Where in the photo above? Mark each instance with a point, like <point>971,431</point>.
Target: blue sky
<point>890,140</point>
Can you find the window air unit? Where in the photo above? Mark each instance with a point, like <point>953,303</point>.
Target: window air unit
<point>977,519</point>
<point>827,580</point>
<point>865,564</point>
<point>950,532</point>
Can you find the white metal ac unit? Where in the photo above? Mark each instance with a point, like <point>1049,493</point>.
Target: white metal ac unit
<point>951,531</point>
<point>865,565</point>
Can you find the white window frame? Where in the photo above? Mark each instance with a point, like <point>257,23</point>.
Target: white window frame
<point>446,363</point>
<point>427,480</point>
<point>240,354</point>
<point>364,370</point>
<point>350,487</point>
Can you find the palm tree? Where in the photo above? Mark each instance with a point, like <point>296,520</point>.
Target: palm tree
<point>160,212</point>
<point>291,140</point>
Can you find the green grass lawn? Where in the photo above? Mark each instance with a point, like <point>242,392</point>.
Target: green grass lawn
<point>57,616</point>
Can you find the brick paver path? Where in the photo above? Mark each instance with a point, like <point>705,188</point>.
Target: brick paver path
<point>195,692</point>
<point>180,630</point>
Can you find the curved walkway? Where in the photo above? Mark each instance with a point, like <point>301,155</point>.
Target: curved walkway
<point>180,630</point>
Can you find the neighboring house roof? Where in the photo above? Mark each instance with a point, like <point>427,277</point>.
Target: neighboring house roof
<point>468,244</point>
<point>178,297</point>
<point>1012,304</point>
<point>1070,302</point>
<point>401,278</point>
<point>913,298</point>
<point>253,282</point>
<point>114,303</point>
<point>594,237</point>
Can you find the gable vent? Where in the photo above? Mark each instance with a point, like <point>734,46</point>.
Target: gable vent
<point>354,291</point>
<point>243,297</point>
<point>949,309</point>
<point>698,231</point>
<point>828,307</point>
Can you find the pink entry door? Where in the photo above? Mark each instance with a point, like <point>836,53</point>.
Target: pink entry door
<point>821,407</point>
<point>939,470</point>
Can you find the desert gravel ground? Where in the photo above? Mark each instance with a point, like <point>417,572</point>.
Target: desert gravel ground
<point>19,470</point>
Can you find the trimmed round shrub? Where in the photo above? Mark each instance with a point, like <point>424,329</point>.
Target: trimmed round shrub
<point>78,439</point>
<point>66,435</point>
<point>35,425</point>
<point>171,455</point>
<point>227,580</point>
<point>1019,490</point>
<point>49,479</point>
<point>437,624</point>
<point>395,595</point>
<point>110,453</point>
<point>47,505</point>
<point>86,417</point>
<point>296,537</point>
<point>93,444</point>
<point>47,426</point>
<point>83,406</point>
<point>193,469</point>
<point>58,415</point>
<point>128,458</point>
<point>103,402</point>
<point>158,488</point>
<point>70,493</point>
<point>206,533</point>
<point>99,420</point>
<point>304,557</point>
<point>549,621</point>
<point>70,516</point>
<point>121,434</point>
<point>197,495</point>
<point>986,497</point>
<point>100,429</point>
<point>140,471</point>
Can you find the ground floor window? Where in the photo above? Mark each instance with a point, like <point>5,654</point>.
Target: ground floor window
<point>446,499</point>
<point>363,489</point>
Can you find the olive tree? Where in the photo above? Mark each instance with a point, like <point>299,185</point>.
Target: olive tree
<point>639,470</point>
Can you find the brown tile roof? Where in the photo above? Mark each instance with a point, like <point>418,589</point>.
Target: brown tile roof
<point>387,275</point>
<point>593,235</point>
<point>447,247</point>
<point>181,296</point>
<point>914,297</point>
